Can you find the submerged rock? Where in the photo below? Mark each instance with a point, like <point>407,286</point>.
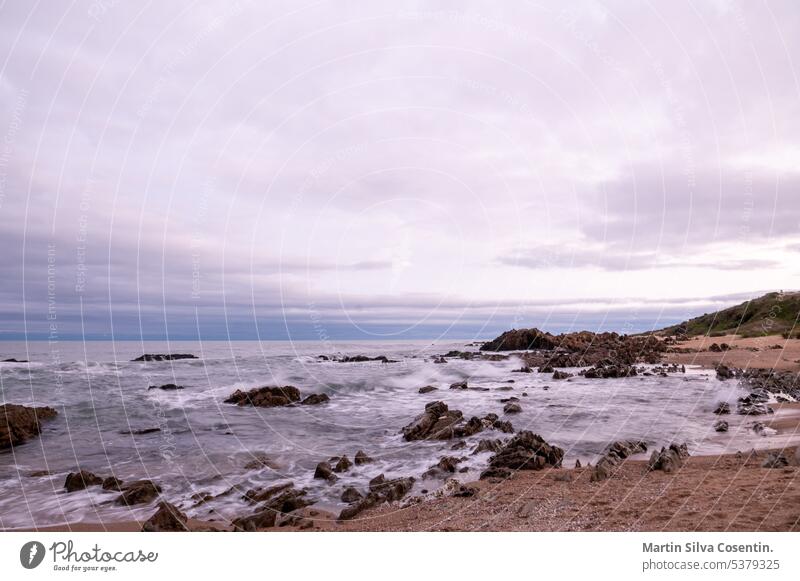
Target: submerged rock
<point>351,495</point>
<point>720,426</point>
<point>265,396</point>
<point>316,399</point>
<point>343,464</point>
<point>325,472</point>
<point>166,387</point>
<point>282,500</point>
<point>19,423</point>
<point>80,480</point>
<point>165,356</point>
<point>428,389</point>
<point>139,492</point>
<point>362,458</point>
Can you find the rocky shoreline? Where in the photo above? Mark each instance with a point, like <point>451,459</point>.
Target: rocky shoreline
<point>600,357</point>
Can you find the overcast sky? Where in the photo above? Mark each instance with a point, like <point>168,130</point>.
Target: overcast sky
<point>392,169</point>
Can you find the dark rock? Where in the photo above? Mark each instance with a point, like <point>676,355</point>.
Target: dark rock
<point>577,463</point>
<point>428,389</point>
<point>166,387</point>
<point>472,427</point>
<point>381,490</point>
<point>265,396</point>
<point>165,357</point>
<point>521,340</point>
<point>364,359</point>
<point>20,423</point>
<point>488,445</point>
<point>459,385</point>
<point>721,426</point>
<point>80,480</point>
<point>435,423</point>
<point>668,459</point>
<point>138,492</point>
<point>546,369</point>
<point>351,495</point>
<point>775,460</point>
<point>525,451</point>
<point>724,372</point>
<point>460,445</point>
<point>512,408</point>
<point>257,495</point>
<point>362,458</point>
<point>140,431</point>
<point>112,483</point>
<point>343,465</point>
<point>12,360</point>
<point>561,375</point>
<point>610,371</point>
<point>523,369</point>
<point>325,472</point>
<point>446,465</point>
<point>722,408</point>
<point>614,455</point>
<point>316,399</point>
<point>280,500</point>
<point>166,519</point>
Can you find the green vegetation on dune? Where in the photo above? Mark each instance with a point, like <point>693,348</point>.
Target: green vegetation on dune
<point>775,313</point>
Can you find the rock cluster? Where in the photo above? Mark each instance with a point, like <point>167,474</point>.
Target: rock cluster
<point>276,501</point>
<point>268,397</point>
<point>614,456</point>
<point>165,356</point>
<point>668,459</point>
<point>578,349</point>
<point>19,423</point>
<point>525,451</point>
<point>381,490</point>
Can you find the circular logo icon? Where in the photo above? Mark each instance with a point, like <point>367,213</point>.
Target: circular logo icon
<point>31,554</point>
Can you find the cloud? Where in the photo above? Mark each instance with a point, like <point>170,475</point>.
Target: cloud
<point>392,164</point>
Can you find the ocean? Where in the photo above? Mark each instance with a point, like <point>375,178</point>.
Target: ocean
<point>199,445</point>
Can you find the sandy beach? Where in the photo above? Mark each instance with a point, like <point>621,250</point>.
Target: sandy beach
<point>767,352</point>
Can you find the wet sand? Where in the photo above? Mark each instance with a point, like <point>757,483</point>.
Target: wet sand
<point>767,352</point>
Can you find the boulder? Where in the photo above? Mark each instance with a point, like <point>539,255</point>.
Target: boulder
<point>166,387</point>
<point>435,423</point>
<point>112,483</point>
<point>343,464</point>
<point>722,408</point>
<point>459,385</point>
<point>351,495</point>
<point>521,340</point>
<point>280,499</point>
<point>316,399</point>
<point>512,408</point>
<point>325,472</point>
<point>614,455</point>
<point>19,423</point>
<point>362,458</point>
<point>446,465</point>
<point>428,389</point>
<point>166,519</point>
<point>488,445</point>
<point>724,372</point>
<point>668,459</point>
<point>720,426</point>
<point>380,490</point>
<point>80,480</point>
<point>561,375</point>
<point>775,460</point>
<point>139,492</point>
<point>265,396</point>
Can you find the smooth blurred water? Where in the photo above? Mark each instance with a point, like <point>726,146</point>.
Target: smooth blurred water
<point>203,444</point>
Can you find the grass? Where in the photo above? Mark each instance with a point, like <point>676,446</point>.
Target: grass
<point>774,313</point>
